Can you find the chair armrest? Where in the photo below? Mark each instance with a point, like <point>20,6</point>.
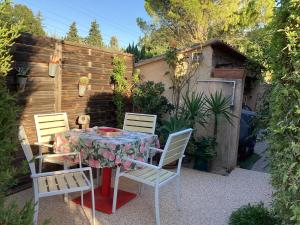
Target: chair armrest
<point>142,163</point>
<point>156,149</point>
<point>55,155</point>
<point>61,172</point>
<point>43,144</point>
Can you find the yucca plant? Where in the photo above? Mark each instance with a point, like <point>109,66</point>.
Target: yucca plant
<point>193,109</point>
<point>218,106</point>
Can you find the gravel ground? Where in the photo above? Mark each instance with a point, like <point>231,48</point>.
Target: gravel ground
<point>207,199</point>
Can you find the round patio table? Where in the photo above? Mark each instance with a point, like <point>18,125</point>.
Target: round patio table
<point>106,152</point>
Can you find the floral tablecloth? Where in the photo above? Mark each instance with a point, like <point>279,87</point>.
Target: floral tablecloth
<point>100,151</point>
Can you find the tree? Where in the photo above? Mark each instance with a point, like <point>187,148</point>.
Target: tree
<point>22,14</point>
<point>284,126</point>
<point>94,38</point>
<point>72,34</point>
<point>9,212</point>
<point>114,43</point>
<point>194,21</point>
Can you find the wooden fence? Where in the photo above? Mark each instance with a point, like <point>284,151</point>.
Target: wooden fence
<point>44,94</point>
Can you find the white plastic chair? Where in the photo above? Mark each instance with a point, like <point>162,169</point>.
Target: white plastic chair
<point>57,182</point>
<point>47,125</point>
<point>156,176</point>
<point>139,122</point>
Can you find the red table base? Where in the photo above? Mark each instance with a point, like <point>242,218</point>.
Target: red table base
<point>103,203</point>
<point>104,195</point>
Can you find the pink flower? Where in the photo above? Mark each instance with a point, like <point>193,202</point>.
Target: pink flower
<point>118,160</point>
<point>142,149</point>
<point>94,163</point>
<point>140,159</point>
<point>127,147</point>
<point>108,155</point>
<point>127,165</point>
<point>89,143</point>
<point>74,140</point>
<point>113,147</point>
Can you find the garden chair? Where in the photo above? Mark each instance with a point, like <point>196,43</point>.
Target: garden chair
<point>156,176</point>
<point>47,125</point>
<point>57,182</point>
<point>140,122</point>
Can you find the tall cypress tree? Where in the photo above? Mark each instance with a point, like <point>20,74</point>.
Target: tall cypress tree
<point>114,43</point>
<point>72,35</point>
<point>94,38</point>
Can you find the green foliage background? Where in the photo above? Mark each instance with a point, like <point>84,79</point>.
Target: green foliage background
<point>10,213</point>
<point>284,127</point>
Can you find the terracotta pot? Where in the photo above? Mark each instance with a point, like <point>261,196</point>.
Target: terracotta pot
<point>22,83</point>
<point>82,89</point>
<point>53,67</point>
<point>234,73</point>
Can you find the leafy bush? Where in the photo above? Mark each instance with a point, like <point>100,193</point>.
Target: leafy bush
<point>253,215</point>
<point>284,126</point>
<point>148,98</point>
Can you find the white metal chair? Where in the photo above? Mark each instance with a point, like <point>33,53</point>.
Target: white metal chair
<point>47,125</point>
<point>140,122</point>
<point>156,176</point>
<point>57,182</point>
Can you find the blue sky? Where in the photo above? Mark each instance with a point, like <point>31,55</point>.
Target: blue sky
<point>116,17</point>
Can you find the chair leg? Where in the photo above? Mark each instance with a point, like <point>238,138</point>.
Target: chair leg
<point>141,189</point>
<point>93,205</point>
<point>65,195</point>
<point>81,198</point>
<point>116,190</point>
<point>36,208</point>
<point>178,192</point>
<point>157,205</point>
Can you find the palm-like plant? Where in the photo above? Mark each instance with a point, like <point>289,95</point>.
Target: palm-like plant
<point>193,109</point>
<point>218,106</point>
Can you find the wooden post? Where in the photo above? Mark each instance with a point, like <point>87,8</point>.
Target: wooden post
<point>58,77</point>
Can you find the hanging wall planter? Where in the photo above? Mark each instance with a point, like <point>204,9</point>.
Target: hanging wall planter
<point>22,76</point>
<point>82,86</point>
<point>53,65</point>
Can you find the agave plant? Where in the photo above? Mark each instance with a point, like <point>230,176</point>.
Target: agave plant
<point>218,106</point>
<point>193,109</point>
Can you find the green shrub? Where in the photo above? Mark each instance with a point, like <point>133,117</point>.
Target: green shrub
<point>148,98</point>
<point>253,215</point>
<point>284,125</point>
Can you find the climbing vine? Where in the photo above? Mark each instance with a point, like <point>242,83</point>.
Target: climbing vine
<point>122,87</point>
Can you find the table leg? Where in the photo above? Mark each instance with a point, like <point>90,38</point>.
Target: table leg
<point>104,195</point>
<point>106,179</point>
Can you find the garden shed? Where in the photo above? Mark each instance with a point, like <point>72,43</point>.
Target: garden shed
<point>221,67</point>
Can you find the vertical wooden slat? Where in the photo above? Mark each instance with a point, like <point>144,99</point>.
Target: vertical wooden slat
<point>58,77</point>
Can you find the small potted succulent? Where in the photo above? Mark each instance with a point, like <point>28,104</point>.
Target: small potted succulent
<point>53,65</point>
<point>82,86</point>
<point>22,76</point>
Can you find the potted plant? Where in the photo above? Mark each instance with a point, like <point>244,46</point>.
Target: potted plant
<point>204,153</point>
<point>83,82</point>
<point>53,65</point>
<point>22,76</point>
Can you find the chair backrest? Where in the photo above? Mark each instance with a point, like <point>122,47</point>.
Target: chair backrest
<point>26,149</point>
<point>140,122</point>
<point>49,124</point>
<point>175,146</point>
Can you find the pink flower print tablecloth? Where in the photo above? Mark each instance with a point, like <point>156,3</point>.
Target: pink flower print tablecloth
<point>100,151</point>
